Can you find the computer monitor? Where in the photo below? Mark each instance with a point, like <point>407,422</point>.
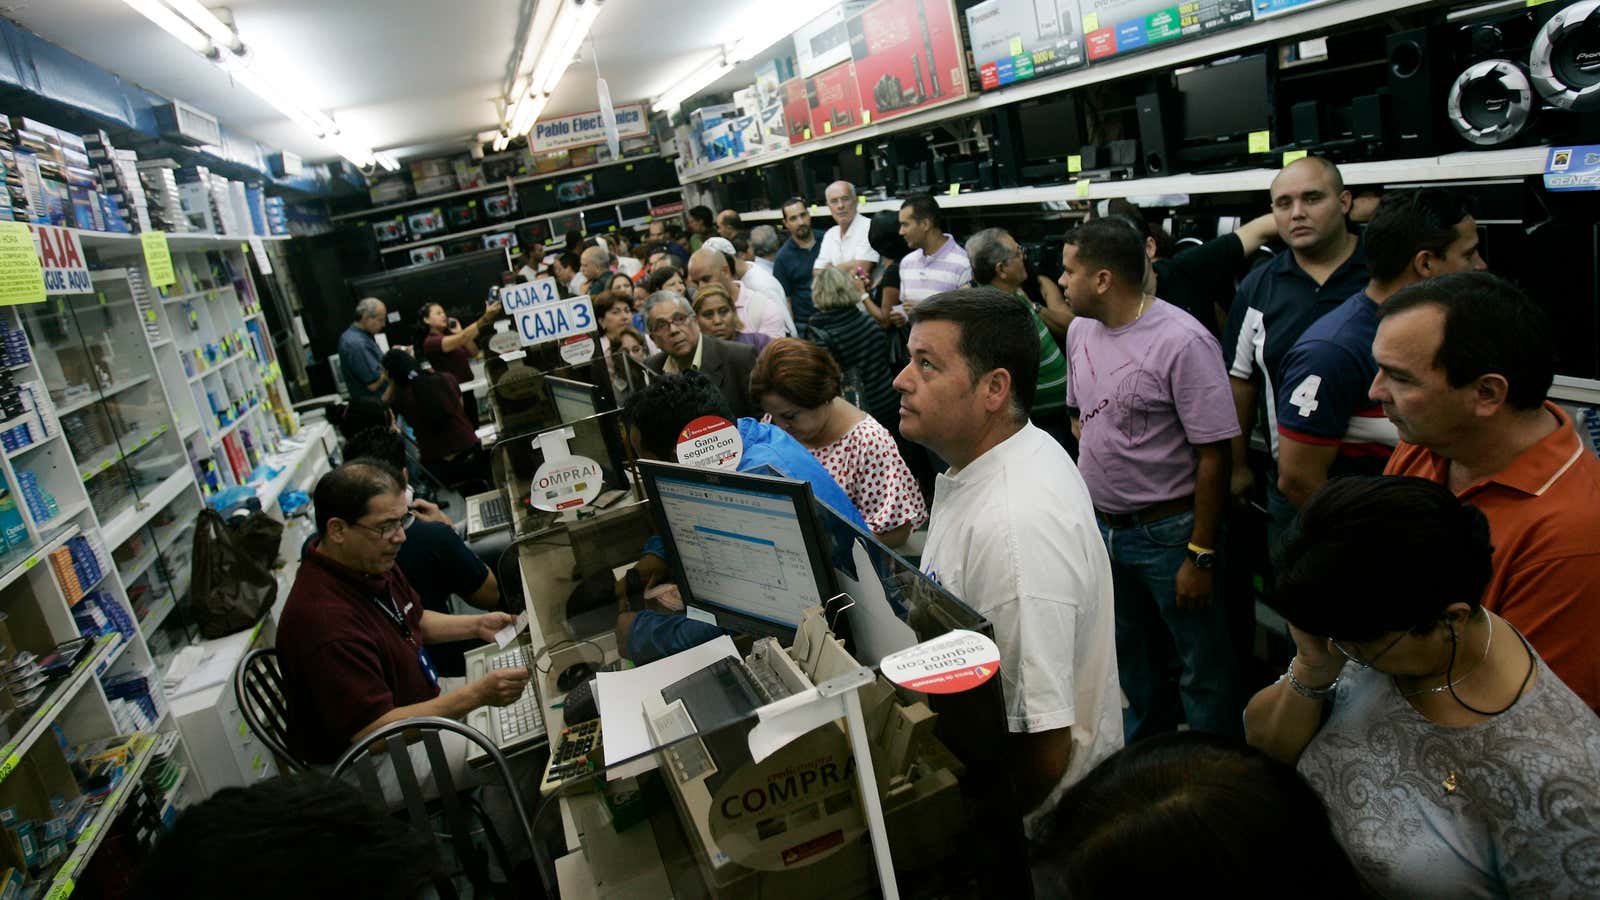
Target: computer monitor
<point>1225,101</point>
<point>573,400</point>
<point>745,547</point>
<point>1051,128</point>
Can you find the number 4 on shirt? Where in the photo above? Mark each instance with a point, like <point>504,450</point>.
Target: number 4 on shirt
<point>1304,398</point>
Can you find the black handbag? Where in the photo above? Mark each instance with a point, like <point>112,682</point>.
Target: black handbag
<point>232,588</point>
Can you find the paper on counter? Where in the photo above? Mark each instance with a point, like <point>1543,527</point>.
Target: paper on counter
<point>620,696</point>
<point>878,632</point>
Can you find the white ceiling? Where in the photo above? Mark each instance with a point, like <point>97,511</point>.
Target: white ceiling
<point>407,75</point>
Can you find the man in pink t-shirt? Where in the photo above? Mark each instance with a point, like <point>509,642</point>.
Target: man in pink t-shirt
<point>1155,415</point>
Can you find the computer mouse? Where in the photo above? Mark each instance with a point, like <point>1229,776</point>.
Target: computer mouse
<point>580,705</point>
<point>574,675</point>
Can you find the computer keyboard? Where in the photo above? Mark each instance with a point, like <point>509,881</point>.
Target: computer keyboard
<point>524,716</point>
<point>494,512</point>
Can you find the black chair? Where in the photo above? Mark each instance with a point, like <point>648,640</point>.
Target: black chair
<point>390,746</point>
<point>258,689</point>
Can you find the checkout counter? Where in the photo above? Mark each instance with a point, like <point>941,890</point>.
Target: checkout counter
<point>678,805</point>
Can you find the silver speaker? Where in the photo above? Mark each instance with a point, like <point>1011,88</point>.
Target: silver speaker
<point>1491,102</point>
<point>1565,60</point>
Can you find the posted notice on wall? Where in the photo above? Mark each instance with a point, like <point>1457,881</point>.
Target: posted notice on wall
<point>21,276</point>
<point>61,256</point>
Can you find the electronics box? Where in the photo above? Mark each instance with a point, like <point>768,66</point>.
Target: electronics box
<point>390,231</point>
<point>1019,41</point>
<point>824,41</point>
<point>907,56</point>
<point>834,100</point>
<point>1116,27</point>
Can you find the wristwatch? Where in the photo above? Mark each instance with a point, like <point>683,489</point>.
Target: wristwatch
<point>1202,557</point>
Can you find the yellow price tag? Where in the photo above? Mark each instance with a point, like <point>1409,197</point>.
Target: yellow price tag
<point>1074,164</point>
<point>158,258</point>
<point>61,891</point>
<point>858,149</point>
<point>827,126</point>
<point>954,189</point>
<point>861,201</point>
<point>23,281</point>
<point>612,228</point>
<point>1290,156</point>
<point>13,759</point>
<point>1016,46</point>
<point>807,133</point>
<point>32,561</point>
<point>149,315</point>
<point>471,203</point>
<point>866,117</point>
<point>628,167</point>
<point>589,177</point>
<point>1091,22</point>
<point>244,729</point>
<point>549,187</point>
<point>1082,186</point>
<point>1260,142</point>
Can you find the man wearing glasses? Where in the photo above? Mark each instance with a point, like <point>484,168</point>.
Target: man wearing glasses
<point>352,639</point>
<point>671,322</point>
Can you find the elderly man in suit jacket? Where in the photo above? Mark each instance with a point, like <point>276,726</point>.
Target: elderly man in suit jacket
<point>672,325</point>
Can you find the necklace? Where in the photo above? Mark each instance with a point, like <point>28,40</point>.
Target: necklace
<point>1142,299</point>
<point>1448,682</point>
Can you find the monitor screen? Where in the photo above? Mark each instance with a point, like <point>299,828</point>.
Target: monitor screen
<point>574,400</point>
<point>743,543</point>
<point>634,211</point>
<point>1049,128</point>
<point>1226,99</point>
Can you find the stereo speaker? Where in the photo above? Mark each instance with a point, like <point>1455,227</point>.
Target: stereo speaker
<point>1564,63</point>
<point>1155,111</point>
<point>1372,122</point>
<point>1415,76</point>
<point>1491,103</point>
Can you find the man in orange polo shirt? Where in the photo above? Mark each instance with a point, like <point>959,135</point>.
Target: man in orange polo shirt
<point>1464,364</point>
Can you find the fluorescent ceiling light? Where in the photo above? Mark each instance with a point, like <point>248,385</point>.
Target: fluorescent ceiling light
<point>206,20</point>
<point>693,83</point>
<point>572,28</point>
<point>172,24</point>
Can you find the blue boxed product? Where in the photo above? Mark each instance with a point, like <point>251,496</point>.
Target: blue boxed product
<point>12,528</point>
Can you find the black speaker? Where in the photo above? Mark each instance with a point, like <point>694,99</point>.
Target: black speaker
<point>1416,73</point>
<point>1491,103</point>
<point>1005,149</point>
<point>1372,122</point>
<point>1155,111</point>
<point>1310,123</point>
<point>1565,60</point>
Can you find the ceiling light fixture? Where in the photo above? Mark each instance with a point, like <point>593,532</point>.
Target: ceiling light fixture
<point>693,83</point>
<point>203,32</point>
<point>561,35</point>
<point>572,29</point>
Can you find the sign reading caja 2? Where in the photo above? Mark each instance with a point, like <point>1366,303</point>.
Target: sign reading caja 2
<point>542,315</point>
<point>565,132</point>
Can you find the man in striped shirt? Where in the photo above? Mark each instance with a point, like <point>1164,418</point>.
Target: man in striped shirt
<point>936,262</point>
<point>997,261</point>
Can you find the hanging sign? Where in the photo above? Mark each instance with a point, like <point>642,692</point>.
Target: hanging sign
<point>542,315</point>
<point>61,256</point>
<point>954,662</point>
<point>710,442</point>
<point>21,277</point>
<point>566,483</point>
<point>158,258</point>
<point>583,129</point>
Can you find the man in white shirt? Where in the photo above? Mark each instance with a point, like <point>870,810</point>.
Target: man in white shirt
<point>937,262</point>
<point>764,244</point>
<point>756,279</point>
<point>1013,535</point>
<point>845,245</point>
<point>757,311</point>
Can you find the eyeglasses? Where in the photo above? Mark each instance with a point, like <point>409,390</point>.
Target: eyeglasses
<point>678,320</point>
<point>388,531</point>
<point>1367,663</point>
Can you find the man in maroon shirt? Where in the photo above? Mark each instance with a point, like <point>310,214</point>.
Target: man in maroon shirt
<point>351,639</point>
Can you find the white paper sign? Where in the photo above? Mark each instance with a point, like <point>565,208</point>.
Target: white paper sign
<point>568,483</point>
<point>61,255</point>
<point>710,442</point>
<point>958,661</point>
<point>541,315</point>
<point>579,349</point>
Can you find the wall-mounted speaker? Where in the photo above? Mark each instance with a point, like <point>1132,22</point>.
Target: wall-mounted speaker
<point>1491,103</point>
<point>1565,61</point>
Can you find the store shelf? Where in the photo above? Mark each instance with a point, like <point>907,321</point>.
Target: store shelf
<point>157,613</point>
<point>161,343</point>
<point>28,448</point>
<point>102,394</point>
<point>312,435</point>
<point>140,564</point>
<point>117,531</point>
<point>14,564</point>
<point>21,365</point>
<point>67,688</point>
<point>65,514</point>
<point>62,883</point>
<point>233,426</point>
<point>195,295</point>
<point>378,211</point>
<point>104,665</point>
<point>1576,390</point>
<point>188,240</point>
<point>218,367</point>
<point>512,223</point>
<point>103,459</point>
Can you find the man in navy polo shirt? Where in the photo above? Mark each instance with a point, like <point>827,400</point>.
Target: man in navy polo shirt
<point>1277,302</point>
<point>1328,425</point>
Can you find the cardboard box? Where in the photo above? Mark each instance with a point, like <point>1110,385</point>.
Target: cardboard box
<point>1016,42</point>
<point>796,111</point>
<point>834,101</point>
<point>907,56</point>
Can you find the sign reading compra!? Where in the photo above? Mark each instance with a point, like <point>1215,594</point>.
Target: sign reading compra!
<point>566,132</point>
<point>541,314</point>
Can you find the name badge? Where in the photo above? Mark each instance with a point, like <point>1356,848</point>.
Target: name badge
<point>427,667</point>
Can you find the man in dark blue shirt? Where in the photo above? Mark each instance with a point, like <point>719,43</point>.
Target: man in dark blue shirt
<point>1324,264</point>
<point>1327,423</point>
<point>359,355</point>
<point>792,266</point>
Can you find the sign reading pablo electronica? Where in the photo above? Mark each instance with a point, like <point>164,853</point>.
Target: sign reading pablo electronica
<point>583,129</point>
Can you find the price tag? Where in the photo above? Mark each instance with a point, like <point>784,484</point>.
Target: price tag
<point>1091,22</point>
<point>628,167</point>
<point>549,187</point>
<point>158,258</point>
<point>21,275</point>
<point>1074,165</point>
<point>954,189</point>
<point>1016,46</point>
<point>1290,156</point>
<point>589,177</point>
<point>32,561</point>
<point>244,729</point>
<point>866,117</point>
<point>60,891</point>
<point>1082,187</point>
<point>12,759</point>
<point>827,126</point>
<point>858,149</point>
<point>807,133</point>
<point>861,201</point>
<point>1260,142</point>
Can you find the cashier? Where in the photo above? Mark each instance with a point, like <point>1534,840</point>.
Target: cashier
<point>655,416</point>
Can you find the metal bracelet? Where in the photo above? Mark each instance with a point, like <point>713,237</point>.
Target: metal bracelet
<point>1310,693</point>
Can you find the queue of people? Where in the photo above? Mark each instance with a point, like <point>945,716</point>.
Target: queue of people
<point>1075,450</point>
